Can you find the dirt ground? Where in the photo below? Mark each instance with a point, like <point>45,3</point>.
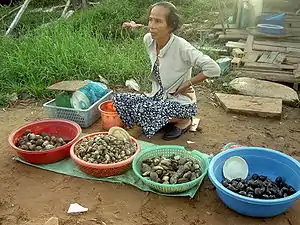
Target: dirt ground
<point>30,196</point>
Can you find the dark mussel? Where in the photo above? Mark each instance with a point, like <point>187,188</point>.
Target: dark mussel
<point>240,186</point>
<point>232,188</point>
<point>260,186</point>
<point>262,178</point>
<point>279,180</point>
<point>244,193</point>
<point>291,190</point>
<point>255,177</point>
<point>226,183</point>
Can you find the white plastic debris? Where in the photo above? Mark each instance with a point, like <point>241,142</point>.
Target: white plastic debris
<point>195,124</point>
<point>190,142</point>
<point>76,208</point>
<point>132,84</point>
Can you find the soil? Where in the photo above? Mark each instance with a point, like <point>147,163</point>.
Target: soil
<point>31,196</point>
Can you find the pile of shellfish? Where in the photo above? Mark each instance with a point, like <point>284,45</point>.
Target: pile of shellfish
<point>39,142</point>
<point>104,149</point>
<point>170,170</point>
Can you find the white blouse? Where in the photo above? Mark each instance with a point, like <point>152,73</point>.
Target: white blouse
<point>176,60</point>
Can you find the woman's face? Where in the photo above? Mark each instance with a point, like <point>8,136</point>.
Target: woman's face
<point>158,26</point>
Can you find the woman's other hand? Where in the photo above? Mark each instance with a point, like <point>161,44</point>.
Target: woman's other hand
<point>184,89</point>
<point>132,24</point>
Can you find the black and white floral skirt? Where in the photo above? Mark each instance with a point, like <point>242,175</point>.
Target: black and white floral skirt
<point>150,113</point>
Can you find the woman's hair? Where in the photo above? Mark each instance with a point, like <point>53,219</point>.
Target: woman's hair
<point>172,17</point>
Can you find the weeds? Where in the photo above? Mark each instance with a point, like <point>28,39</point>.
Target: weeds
<point>88,44</point>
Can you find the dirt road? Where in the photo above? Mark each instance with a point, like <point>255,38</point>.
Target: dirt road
<point>30,196</point>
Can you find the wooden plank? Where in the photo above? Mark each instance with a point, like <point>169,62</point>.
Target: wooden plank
<point>292,60</point>
<point>251,56</point>
<point>293,24</point>
<point>297,71</point>
<point>272,57</point>
<point>219,26</point>
<point>278,44</point>
<point>270,66</point>
<point>68,85</point>
<point>237,31</point>
<point>291,33</point>
<point>279,58</point>
<point>277,77</point>
<point>232,37</point>
<point>240,32</point>
<point>264,57</point>
<point>292,30</point>
<point>289,72</point>
<point>256,106</point>
<point>269,48</point>
<point>231,44</point>
<point>292,17</point>
<point>296,50</point>
<point>294,54</point>
<point>249,43</point>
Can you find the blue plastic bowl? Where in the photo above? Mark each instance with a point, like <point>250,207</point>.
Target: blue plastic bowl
<point>261,161</point>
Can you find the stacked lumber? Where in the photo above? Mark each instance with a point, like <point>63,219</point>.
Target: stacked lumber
<point>266,57</point>
<point>267,63</point>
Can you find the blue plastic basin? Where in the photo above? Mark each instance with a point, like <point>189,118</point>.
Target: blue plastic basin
<point>261,161</point>
<point>270,29</point>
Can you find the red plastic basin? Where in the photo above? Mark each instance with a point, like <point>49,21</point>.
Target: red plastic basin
<point>57,127</point>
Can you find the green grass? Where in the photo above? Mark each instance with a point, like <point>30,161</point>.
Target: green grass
<point>53,55</point>
<point>89,44</point>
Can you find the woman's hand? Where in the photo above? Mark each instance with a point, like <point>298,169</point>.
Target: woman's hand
<point>132,24</point>
<point>184,89</point>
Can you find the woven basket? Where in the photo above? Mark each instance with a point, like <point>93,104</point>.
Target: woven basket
<point>102,170</point>
<point>166,151</point>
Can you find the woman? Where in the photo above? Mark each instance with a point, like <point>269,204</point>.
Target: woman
<point>173,100</point>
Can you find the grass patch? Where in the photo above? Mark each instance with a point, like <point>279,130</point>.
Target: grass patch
<point>68,54</point>
<point>88,44</point>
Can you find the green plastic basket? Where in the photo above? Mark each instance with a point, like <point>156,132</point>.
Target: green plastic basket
<point>166,151</point>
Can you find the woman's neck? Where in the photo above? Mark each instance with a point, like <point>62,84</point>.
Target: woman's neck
<point>162,42</point>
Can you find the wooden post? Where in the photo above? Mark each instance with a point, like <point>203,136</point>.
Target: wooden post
<point>76,4</point>
<point>18,16</point>
<point>85,4</point>
<point>221,13</point>
<point>80,4</point>
<point>239,13</point>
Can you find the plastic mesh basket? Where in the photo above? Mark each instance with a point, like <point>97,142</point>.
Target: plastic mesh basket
<point>166,151</point>
<point>103,170</point>
<point>84,117</point>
